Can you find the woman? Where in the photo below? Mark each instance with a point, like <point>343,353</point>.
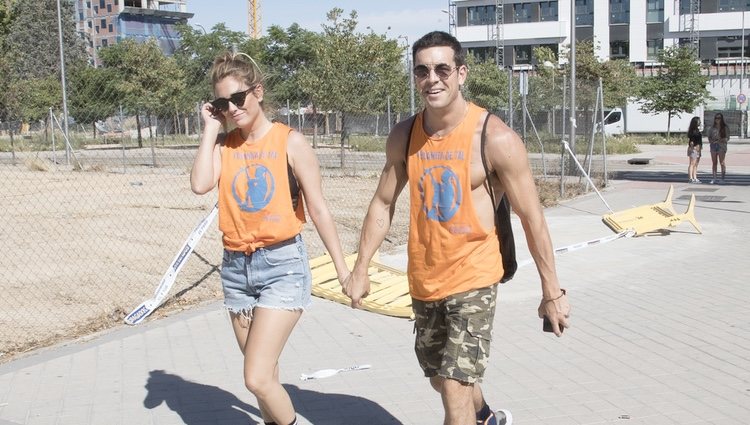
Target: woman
<point>695,145</point>
<point>261,169</point>
<point>718,136</point>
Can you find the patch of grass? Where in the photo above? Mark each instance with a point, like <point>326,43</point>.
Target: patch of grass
<point>549,190</point>
<point>552,145</point>
<point>367,143</point>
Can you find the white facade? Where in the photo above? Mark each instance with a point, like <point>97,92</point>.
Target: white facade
<point>632,29</point>
<point>621,29</point>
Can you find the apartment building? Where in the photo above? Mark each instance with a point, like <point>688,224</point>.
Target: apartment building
<point>635,30</point>
<point>105,22</point>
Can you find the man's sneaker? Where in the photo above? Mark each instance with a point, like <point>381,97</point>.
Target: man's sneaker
<point>501,417</point>
<point>713,181</point>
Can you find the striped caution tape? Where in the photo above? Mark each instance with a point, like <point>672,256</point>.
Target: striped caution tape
<point>576,246</point>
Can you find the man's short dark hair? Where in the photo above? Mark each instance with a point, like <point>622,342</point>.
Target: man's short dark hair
<point>440,39</point>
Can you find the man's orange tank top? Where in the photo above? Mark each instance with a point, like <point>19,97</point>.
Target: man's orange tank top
<point>449,249</point>
<point>255,205</point>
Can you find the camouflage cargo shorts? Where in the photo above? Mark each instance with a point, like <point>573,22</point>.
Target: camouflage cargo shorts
<point>454,334</point>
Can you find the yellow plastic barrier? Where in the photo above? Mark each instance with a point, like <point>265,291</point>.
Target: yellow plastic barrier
<point>651,218</point>
<point>389,288</point>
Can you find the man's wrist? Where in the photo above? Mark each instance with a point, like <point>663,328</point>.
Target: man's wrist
<point>563,292</point>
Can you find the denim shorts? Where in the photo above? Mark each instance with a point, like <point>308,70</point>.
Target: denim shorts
<point>276,277</point>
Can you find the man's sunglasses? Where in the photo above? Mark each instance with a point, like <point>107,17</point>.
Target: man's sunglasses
<point>442,70</point>
<point>221,104</point>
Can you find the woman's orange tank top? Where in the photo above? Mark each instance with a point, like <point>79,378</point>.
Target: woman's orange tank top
<point>255,205</point>
<point>449,250</point>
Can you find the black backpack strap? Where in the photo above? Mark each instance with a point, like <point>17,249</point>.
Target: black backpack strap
<point>484,157</point>
<point>413,119</point>
<point>502,217</point>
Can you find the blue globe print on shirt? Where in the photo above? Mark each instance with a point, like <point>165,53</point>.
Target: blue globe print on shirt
<point>257,190</point>
<point>445,189</point>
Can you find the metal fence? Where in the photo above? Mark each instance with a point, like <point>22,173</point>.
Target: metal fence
<point>91,222</point>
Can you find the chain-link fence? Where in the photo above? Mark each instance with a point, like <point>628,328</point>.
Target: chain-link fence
<point>91,221</point>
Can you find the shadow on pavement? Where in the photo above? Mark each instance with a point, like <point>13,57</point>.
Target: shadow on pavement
<point>206,404</point>
<point>197,403</point>
<point>338,408</point>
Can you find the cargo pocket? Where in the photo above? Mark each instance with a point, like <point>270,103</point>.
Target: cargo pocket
<point>477,345</point>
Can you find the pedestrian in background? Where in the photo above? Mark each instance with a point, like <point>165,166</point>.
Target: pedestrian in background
<point>718,136</point>
<point>695,146</point>
<point>264,171</point>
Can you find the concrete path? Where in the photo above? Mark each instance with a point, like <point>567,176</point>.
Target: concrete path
<point>660,336</point>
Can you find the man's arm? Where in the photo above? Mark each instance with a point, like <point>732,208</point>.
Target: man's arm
<point>377,222</point>
<point>507,157</point>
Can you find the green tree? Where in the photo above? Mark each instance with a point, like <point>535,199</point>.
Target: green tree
<point>30,58</point>
<point>486,85</point>
<point>679,86</point>
<point>196,55</point>
<point>32,42</point>
<point>619,81</point>
<point>147,80</point>
<point>352,72</point>
<point>93,94</point>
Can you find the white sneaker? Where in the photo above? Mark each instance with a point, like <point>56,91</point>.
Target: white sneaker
<point>697,181</point>
<point>713,182</point>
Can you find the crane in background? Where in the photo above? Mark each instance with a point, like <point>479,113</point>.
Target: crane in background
<point>254,26</point>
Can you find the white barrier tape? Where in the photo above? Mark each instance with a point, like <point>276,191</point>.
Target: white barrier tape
<point>576,246</point>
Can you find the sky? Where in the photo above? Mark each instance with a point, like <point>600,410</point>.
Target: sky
<point>410,18</point>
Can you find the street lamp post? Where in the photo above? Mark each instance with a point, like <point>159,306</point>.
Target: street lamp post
<point>410,71</point>
<point>551,66</point>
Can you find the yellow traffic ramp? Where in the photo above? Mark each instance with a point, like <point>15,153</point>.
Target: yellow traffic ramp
<point>651,218</point>
<point>389,288</point>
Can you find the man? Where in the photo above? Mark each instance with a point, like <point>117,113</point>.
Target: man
<point>454,260</point>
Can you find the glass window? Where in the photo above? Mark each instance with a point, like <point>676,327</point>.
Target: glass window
<point>522,12</point>
<point>548,11</point>
<point>109,28</point>
<point>109,8</point>
<point>103,23</point>
<point>653,47</point>
<point>104,42</point>
<point>584,12</point>
<point>101,4</point>
<point>483,54</point>
<point>655,11</point>
<point>729,47</point>
<point>481,15</point>
<point>619,49</point>
<point>619,11</point>
<point>733,5</point>
<point>523,55</point>
<point>612,117</point>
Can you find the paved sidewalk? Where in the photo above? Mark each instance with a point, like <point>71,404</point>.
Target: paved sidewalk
<point>660,336</point>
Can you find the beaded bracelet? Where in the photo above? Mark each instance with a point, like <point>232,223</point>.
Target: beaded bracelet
<point>563,292</point>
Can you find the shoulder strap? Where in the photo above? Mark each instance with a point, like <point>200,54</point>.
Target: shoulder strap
<point>484,157</point>
<point>502,217</point>
<point>413,119</point>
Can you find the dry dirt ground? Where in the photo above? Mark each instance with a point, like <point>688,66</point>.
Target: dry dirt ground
<point>84,244</point>
<point>81,249</point>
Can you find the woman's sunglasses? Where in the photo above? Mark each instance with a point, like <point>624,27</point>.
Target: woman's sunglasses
<point>221,104</point>
<point>442,70</point>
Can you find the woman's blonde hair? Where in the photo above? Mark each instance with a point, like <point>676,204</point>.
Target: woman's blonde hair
<point>237,65</point>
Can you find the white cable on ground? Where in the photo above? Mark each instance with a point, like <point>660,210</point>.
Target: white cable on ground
<point>580,245</point>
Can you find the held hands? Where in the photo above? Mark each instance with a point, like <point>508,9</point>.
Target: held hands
<point>357,287</point>
<point>557,311</point>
